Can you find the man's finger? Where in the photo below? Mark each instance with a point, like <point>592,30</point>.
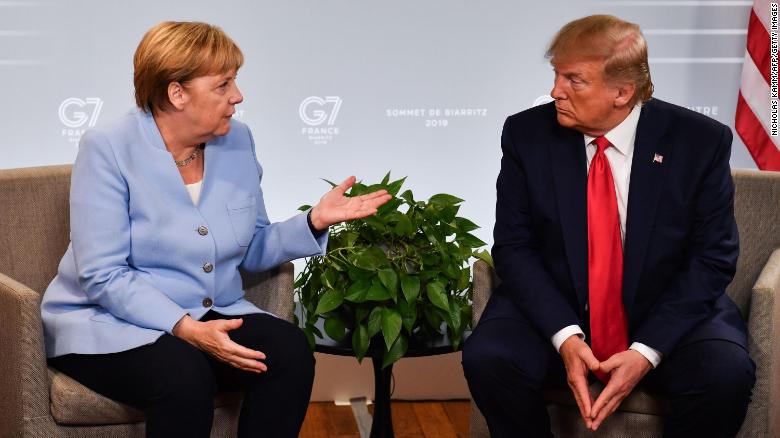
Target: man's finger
<point>580,387</point>
<point>605,397</point>
<point>580,404</point>
<point>606,412</point>
<point>610,364</point>
<point>586,355</point>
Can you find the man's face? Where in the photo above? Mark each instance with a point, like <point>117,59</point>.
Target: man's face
<point>583,100</point>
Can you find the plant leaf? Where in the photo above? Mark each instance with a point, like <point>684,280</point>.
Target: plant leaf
<point>404,226</point>
<point>350,238</point>
<point>360,341</point>
<point>331,183</point>
<point>408,196</point>
<point>454,319</point>
<point>464,225</point>
<point>408,314</point>
<point>465,276</point>
<point>395,186</point>
<point>335,328</point>
<point>375,321</point>
<point>377,292</point>
<point>485,256</point>
<point>448,213</point>
<point>444,200</point>
<point>369,259</point>
<point>386,178</point>
<point>304,207</point>
<point>391,326</point>
<point>437,295</point>
<point>389,279</point>
<point>329,301</point>
<point>451,270</point>
<point>471,240</point>
<point>328,278</point>
<point>433,318</point>
<point>410,285</point>
<point>361,313</point>
<point>358,189</point>
<point>315,331</point>
<point>396,352</point>
<point>356,293</point>
<point>309,337</point>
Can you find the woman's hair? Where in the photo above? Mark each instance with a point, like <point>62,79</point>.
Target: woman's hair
<point>618,43</point>
<point>178,52</point>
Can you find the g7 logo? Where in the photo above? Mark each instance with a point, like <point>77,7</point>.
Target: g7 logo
<point>76,118</point>
<point>319,115</point>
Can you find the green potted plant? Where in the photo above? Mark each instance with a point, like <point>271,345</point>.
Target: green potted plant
<point>401,273</point>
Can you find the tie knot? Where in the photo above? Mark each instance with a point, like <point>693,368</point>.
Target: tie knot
<point>601,143</point>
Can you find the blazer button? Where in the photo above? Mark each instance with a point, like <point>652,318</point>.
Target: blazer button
<point>208,267</point>
<point>207,302</point>
<point>203,230</point>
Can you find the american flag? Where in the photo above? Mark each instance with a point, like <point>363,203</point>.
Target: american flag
<point>754,103</point>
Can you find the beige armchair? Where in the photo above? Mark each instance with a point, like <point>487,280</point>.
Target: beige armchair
<point>755,289</point>
<point>38,401</point>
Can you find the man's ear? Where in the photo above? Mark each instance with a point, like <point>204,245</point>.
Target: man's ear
<point>176,95</point>
<point>625,93</point>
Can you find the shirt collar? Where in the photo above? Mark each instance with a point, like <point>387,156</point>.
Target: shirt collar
<point>623,135</point>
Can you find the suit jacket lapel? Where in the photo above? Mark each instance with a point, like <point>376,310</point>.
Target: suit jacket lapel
<point>567,155</point>
<point>647,180</point>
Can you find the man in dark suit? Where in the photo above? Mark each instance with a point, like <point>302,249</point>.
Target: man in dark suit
<point>630,288</point>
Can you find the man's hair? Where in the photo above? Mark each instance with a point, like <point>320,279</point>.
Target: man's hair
<point>618,43</point>
<point>178,52</point>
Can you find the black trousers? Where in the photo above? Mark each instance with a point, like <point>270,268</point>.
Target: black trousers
<point>507,364</point>
<point>175,383</point>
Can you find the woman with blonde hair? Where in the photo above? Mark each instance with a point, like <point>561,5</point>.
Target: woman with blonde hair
<point>147,306</point>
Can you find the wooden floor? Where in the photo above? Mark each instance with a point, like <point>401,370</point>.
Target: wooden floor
<point>448,419</point>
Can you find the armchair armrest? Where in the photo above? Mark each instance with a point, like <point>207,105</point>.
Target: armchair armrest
<point>271,290</point>
<point>24,386</point>
<point>763,417</point>
<point>483,283</point>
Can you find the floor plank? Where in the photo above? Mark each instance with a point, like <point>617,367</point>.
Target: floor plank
<point>433,420</point>
<point>448,419</point>
<point>342,421</point>
<point>459,413</point>
<point>315,425</point>
<point>405,424</point>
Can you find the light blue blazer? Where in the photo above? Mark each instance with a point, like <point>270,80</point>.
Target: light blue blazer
<point>142,255</point>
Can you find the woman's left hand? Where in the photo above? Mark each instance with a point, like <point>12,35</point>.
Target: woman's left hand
<point>334,207</point>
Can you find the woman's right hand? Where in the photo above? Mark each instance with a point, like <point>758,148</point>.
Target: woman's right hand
<point>212,337</point>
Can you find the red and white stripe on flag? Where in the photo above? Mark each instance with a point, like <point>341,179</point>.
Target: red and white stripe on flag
<point>754,103</point>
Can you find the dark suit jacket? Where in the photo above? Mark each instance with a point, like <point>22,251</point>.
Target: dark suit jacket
<point>681,242</point>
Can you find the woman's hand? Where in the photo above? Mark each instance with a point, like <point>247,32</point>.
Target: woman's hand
<point>211,337</point>
<point>334,207</point>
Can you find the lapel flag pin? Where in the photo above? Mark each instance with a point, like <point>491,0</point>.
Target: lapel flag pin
<point>658,158</point>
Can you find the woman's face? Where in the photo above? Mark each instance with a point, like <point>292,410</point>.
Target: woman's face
<point>210,102</point>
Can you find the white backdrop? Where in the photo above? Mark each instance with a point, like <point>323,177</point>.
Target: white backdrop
<point>417,87</point>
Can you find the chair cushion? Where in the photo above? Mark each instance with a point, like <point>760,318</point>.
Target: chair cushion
<point>639,401</point>
<point>74,403</point>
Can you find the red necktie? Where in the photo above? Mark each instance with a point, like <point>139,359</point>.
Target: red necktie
<point>608,329</point>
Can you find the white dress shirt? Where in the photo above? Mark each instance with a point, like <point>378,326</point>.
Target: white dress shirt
<point>620,156</point>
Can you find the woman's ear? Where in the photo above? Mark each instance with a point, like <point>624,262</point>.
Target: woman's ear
<point>176,95</point>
